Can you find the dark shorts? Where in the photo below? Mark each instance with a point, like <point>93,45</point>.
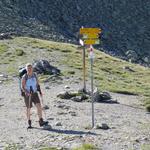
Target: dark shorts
<point>33,99</point>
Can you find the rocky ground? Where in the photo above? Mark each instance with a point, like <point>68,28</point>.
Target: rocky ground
<point>71,121</point>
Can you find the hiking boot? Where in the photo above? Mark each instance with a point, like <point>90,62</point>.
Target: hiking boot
<point>29,123</point>
<point>42,123</point>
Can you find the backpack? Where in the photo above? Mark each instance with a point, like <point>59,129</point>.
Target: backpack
<point>23,72</point>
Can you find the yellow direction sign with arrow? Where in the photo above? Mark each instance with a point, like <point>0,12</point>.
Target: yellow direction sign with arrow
<point>91,41</point>
<point>90,36</point>
<point>90,30</point>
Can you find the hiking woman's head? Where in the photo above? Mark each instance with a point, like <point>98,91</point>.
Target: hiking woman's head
<point>29,69</point>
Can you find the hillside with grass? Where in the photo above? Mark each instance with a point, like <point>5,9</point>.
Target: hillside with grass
<point>110,74</point>
<point>126,114</point>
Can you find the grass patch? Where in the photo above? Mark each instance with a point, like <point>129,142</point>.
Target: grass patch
<point>19,52</point>
<point>68,72</point>
<point>11,69</point>
<point>147,107</point>
<point>48,148</point>
<point>88,127</point>
<point>11,147</point>
<point>65,50</point>
<point>3,48</point>
<point>147,102</point>
<point>123,92</point>
<point>71,72</point>
<point>43,78</point>
<point>86,147</point>
<point>145,147</point>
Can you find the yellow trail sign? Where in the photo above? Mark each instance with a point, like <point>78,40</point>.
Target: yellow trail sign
<point>90,36</point>
<point>91,41</point>
<point>89,30</point>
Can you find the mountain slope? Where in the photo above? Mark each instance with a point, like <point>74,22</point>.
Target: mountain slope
<point>125,24</point>
<point>71,120</point>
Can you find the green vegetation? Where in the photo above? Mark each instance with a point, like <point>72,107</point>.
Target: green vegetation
<point>145,147</point>
<point>11,69</point>
<point>86,147</point>
<point>83,147</point>
<point>3,48</point>
<point>111,74</point>
<point>88,127</point>
<point>48,148</point>
<point>68,72</point>
<point>43,78</point>
<point>148,107</point>
<point>19,52</point>
<point>11,147</point>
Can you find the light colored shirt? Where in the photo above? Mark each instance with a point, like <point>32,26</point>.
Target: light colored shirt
<point>30,82</point>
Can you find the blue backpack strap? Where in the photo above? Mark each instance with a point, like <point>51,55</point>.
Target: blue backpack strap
<point>26,77</point>
<point>34,75</point>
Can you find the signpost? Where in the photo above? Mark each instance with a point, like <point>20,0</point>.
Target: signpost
<point>83,57</point>
<point>90,37</point>
<point>91,56</point>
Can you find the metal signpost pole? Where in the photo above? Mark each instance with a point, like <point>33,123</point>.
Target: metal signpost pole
<point>91,75</point>
<point>90,37</point>
<point>83,58</point>
<point>84,83</point>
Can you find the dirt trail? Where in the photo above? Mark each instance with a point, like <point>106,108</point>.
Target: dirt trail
<point>129,126</point>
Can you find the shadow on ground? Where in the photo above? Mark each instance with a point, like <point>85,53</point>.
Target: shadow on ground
<point>73,132</point>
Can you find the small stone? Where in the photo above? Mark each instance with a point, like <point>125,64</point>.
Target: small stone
<point>73,114</point>
<point>103,126</point>
<point>76,99</point>
<point>67,87</point>
<point>67,107</point>
<point>145,139</point>
<point>1,75</point>
<point>61,113</point>
<point>45,107</point>
<point>61,106</point>
<point>60,148</point>
<point>50,118</point>
<point>137,140</point>
<point>64,95</point>
<point>58,124</point>
<point>47,127</point>
<point>47,87</point>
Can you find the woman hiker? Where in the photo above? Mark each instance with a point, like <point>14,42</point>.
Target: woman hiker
<point>30,87</point>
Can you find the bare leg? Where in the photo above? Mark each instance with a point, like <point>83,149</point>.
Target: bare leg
<point>39,110</point>
<point>28,113</point>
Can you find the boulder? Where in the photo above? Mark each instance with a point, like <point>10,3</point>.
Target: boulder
<point>64,95</point>
<point>101,97</point>
<point>5,36</point>
<point>43,66</point>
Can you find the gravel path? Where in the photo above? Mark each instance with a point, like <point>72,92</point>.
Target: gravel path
<point>129,123</point>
